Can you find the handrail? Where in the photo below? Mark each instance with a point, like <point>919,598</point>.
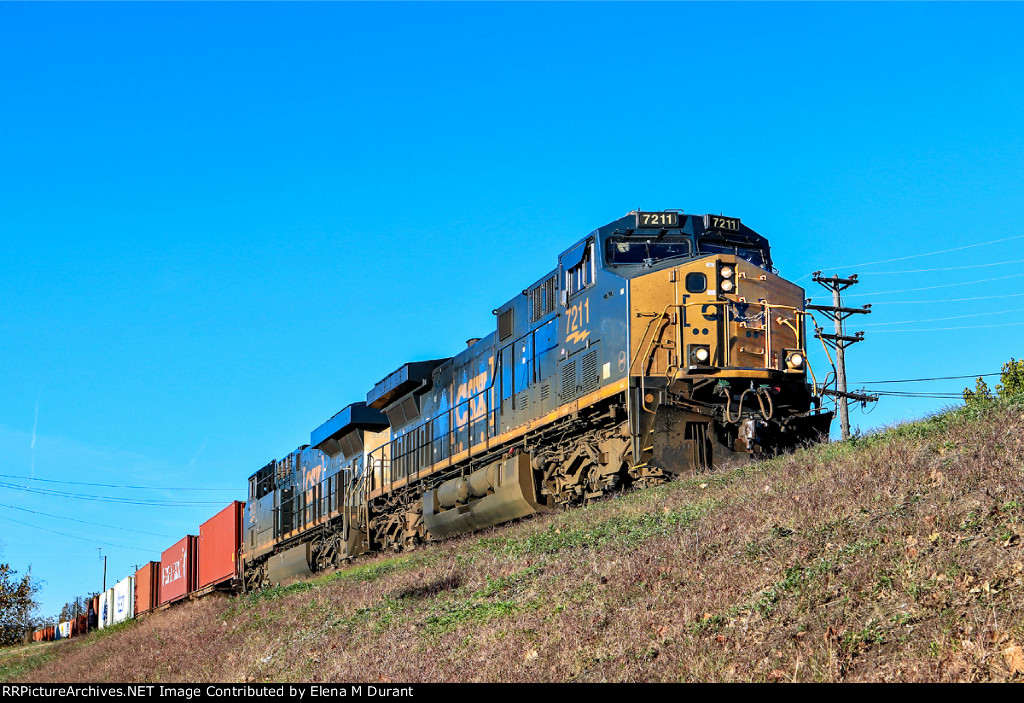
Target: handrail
<point>766,314</point>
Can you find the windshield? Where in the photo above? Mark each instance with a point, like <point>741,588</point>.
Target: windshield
<point>638,250</point>
<point>754,256</point>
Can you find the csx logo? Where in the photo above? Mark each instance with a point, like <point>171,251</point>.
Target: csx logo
<point>473,389</point>
<point>312,477</point>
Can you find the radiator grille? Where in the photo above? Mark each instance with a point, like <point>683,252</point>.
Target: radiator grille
<point>568,381</point>
<point>542,298</point>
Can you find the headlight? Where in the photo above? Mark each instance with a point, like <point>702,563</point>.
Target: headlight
<point>699,354</point>
<point>726,272</point>
<point>726,286</point>
<point>796,360</point>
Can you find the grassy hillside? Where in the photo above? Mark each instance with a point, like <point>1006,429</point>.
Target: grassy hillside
<point>895,556</point>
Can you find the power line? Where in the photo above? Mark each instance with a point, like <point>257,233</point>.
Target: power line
<point>948,300</point>
<point>918,380</point>
<point>923,394</point>
<point>946,268</point>
<point>84,539</point>
<point>927,396</point>
<point>943,285</point>
<point>917,256</point>
<point>109,499</point>
<point>111,485</point>
<point>939,319</point>
<point>945,329</point>
<point>84,522</point>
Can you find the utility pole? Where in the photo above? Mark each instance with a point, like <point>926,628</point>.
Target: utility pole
<point>104,557</point>
<point>839,341</point>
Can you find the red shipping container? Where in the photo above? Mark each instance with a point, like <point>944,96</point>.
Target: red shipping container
<point>220,538</point>
<point>147,588</point>
<point>178,570</point>
<point>79,625</point>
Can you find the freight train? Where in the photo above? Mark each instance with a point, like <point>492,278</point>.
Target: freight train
<point>661,344</point>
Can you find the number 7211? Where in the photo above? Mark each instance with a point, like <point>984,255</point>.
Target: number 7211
<point>578,315</point>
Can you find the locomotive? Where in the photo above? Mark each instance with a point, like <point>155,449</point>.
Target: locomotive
<point>661,344</point>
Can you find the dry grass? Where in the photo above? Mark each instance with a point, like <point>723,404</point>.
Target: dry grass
<point>895,557</point>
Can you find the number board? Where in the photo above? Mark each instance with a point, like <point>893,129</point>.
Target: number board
<point>725,224</point>
<point>660,220</point>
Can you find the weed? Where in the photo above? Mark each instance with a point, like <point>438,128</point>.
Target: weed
<point>624,531</point>
<point>25,660</point>
<point>447,617</point>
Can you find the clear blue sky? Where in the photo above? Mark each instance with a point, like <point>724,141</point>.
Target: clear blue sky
<point>222,223</point>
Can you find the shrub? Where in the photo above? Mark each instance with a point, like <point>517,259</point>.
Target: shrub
<point>1011,385</point>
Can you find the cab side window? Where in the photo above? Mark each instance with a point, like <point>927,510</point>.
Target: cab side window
<point>581,275</point>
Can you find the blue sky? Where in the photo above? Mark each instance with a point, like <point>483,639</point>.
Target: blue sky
<point>222,223</point>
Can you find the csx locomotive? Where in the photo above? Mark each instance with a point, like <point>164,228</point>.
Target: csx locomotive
<point>660,344</point>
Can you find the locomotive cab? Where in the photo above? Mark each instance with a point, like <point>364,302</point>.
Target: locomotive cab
<point>717,348</point>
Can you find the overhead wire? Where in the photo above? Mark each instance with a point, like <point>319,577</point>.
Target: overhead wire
<point>917,256</point>
<point>84,522</point>
<point>939,319</point>
<point>113,485</point>
<point>911,290</point>
<point>866,387</point>
<point>110,499</point>
<point>84,539</point>
<point>946,329</point>
<point>912,394</point>
<point>919,380</point>
<point>945,268</point>
<point>948,300</point>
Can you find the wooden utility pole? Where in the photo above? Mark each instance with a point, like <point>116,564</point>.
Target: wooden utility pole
<point>839,341</point>
<point>104,558</point>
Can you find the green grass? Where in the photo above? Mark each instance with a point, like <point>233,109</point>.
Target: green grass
<point>22,660</point>
<point>889,557</point>
<point>620,531</point>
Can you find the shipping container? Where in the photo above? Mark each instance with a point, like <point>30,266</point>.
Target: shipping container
<point>147,588</point>
<point>110,606</point>
<point>101,612</point>
<point>124,599</point>
<point>220,538</point>
<point>93,613</point>
<point>106,612</point>
<point>80,625</point>
<point>178,570</point>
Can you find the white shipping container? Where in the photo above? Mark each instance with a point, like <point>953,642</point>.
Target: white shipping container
<point>106,616</point>
<point>65,629</point>
<point>124,599</point>
<point>101,616</point>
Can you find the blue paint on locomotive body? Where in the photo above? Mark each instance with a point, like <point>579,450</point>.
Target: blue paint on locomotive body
<point>562,338</point>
